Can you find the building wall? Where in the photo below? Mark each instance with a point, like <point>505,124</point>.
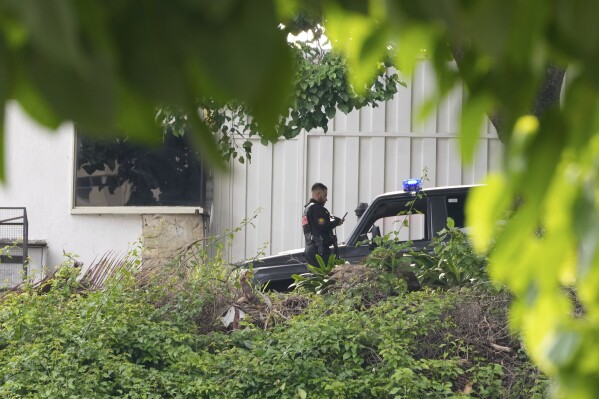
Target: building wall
<point>39,175</point>
<point>363,154</point>
<point>166,237</point>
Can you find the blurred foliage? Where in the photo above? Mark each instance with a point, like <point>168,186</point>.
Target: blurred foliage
<point>107,64</point>
<point>320,89</point>
<point>540,214</point>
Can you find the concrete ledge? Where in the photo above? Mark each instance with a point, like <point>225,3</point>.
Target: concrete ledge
<point>137,210</point>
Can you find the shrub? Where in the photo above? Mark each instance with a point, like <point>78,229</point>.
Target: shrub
<point>108,343</point>
<point>402,347</point>
<point>318,279</point>
<point>147,335</point>
<point>450,261</point>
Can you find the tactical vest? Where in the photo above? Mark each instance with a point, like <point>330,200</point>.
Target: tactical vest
<point>306,224</point>
<point>312,235</point>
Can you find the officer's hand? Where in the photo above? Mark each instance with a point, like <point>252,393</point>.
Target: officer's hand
<point>339,221</point>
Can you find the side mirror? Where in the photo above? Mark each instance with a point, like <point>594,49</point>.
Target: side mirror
<point>360,209</point>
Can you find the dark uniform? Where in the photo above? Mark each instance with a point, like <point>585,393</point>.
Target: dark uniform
<point>318,226</point>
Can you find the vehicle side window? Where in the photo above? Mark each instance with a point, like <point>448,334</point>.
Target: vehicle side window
<point>455,208</point>
<point>408,227</point>
<point>405,217</point>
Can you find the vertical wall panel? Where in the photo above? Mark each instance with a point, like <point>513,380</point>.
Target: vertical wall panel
<point>448,114</point>
<point>424,160</point>
<point>378,118</point>
<point>477,170</point>
<point>319,167</point>
<point>449,167</point>
<point>481,160</point>
<point>220,214</point>
<point>366,118</point>
<point>397,163</point>
<point>345,182</point>
<point>392,114</point>
<point>259,196</point>
<point>403,107</point>
<point>286,195</point>
<point>331,125</point>
<point>340,121</point>
<point>238,210</point>
<point>371,173</point>
<point>444,116</point>
<point>423,89</point>
<point>495,155</point>
<point>365,168</point>
<point>312,162</point>
<point>353,121</point>
<point>491,131</point>
<point>378,162</point>
<point>429,148</point>
<point>391,109</point>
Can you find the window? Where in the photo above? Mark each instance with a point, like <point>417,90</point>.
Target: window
<point>406,217</point>
<point>407,227</point>
<point>118,173</point>
<point>455,208</point>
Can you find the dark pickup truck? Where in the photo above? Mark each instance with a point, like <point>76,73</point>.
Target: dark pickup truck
<point>429,211</point>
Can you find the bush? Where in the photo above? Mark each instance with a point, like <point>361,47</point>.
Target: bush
<point>447,262</point>
<point>64,343</point>
<point>318,279</point>
<point>450,262</point>
<point>402,347</point>
<point>147,335</point>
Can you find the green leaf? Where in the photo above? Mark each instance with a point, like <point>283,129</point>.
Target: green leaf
<point>474,115</point>
<point>32,101</point>
<point>259,69</point>
<point>563,347</point>
<point>301,393</point>
<point>414,40</point>
<point>135,117</point>
<point>52,28</point>
<point>4,90</point>
<point>525,130</point>
<point>362,38</point>
<point>86,96</point>
<point>485,207</point>
<point>450,223</point>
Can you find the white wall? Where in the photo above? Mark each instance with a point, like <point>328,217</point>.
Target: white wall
<point>365,153</point>
<point>38,169</point>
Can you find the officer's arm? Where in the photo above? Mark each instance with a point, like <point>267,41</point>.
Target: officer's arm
<point>323,223</point>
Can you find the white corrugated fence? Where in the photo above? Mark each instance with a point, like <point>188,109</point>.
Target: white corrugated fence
<point>364,153</point>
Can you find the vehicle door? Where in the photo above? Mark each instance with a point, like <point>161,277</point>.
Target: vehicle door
<point>402,218</point>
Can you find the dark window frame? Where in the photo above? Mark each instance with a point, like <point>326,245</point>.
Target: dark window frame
<point>169,164</point>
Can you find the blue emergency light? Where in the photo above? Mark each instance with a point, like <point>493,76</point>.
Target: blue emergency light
<point>412,185</point>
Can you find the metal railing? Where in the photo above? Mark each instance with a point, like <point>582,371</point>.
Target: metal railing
<point>13,246</point>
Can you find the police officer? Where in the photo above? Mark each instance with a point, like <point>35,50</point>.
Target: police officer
<point>318,225</point>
